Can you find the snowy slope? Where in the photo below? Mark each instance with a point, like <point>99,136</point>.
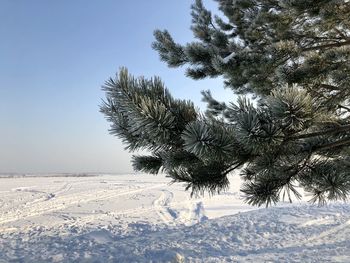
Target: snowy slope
<point>143,219</point>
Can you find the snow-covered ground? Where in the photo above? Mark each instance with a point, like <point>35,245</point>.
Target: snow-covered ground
<point>141,218</point>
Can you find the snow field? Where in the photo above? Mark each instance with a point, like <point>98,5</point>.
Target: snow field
<point>141,218</point>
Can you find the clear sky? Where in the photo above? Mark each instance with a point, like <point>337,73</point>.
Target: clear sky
<point>54,57</point>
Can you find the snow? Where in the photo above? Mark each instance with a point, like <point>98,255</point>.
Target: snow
<point>228,58</point>
<point>141,218</point>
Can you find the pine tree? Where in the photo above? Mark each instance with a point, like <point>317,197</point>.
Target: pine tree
<point>293,58</point>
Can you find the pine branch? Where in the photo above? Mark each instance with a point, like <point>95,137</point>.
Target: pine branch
<point>339,44</point>
<point>236,165</point>
<point>338,143</point>
<point>320,133</point>
<point>262,48</point>
<point>344,107</point>
<point>341,33</point>
<point>329,87</point>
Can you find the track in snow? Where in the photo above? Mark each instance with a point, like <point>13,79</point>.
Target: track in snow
<point>163,209</point>
<point>44,206</point>
<point>176,213</point>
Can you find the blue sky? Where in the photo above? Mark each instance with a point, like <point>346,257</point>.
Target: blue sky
<point>55,55</point>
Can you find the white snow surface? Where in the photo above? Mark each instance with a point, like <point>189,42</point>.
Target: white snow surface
<point>141,218</point>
